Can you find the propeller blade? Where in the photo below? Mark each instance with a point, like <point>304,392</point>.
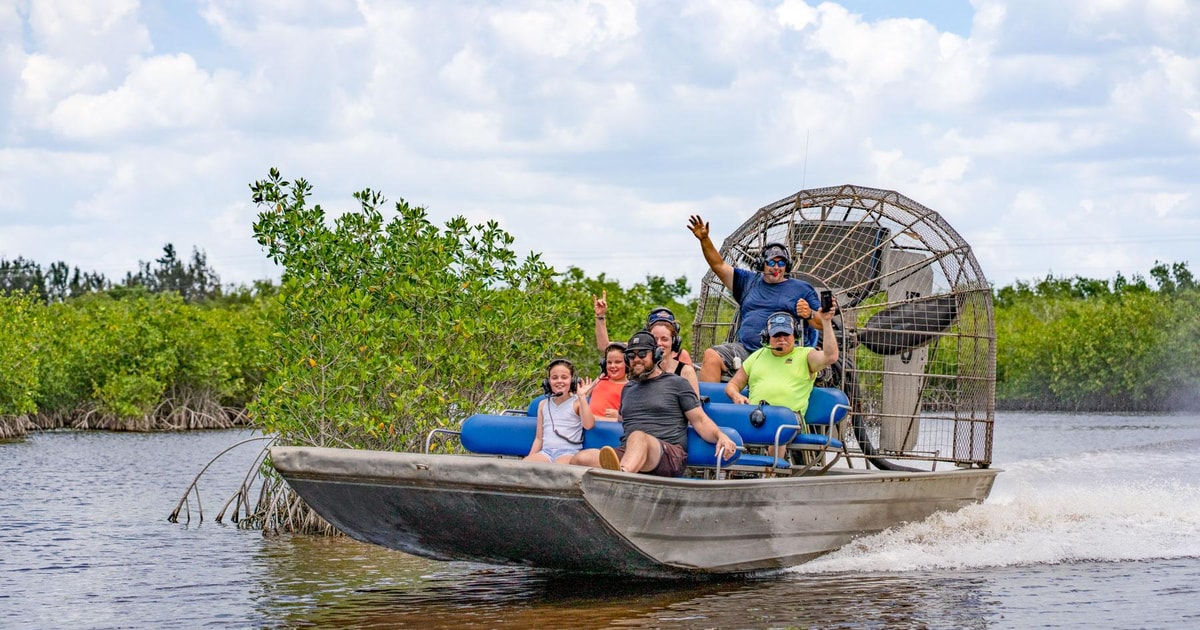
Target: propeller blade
<point>908,326</point>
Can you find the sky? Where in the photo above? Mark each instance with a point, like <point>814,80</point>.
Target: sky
<point>1056,137</point>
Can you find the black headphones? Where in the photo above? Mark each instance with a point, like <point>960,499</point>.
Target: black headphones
<point>765,338</point>
<point>616,345</point>
<point>676,342</point>
<point>761,260</point>
<point>570,366</point>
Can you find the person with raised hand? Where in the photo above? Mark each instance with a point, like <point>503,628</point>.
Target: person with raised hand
<point>562,415</point>
<point>662,324</point>
<point>758,294</point>
<point>656,409</point>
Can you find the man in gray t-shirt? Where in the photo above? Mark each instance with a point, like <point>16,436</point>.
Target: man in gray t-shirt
<point>656,409</point>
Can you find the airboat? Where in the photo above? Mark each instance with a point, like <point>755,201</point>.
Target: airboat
<point>903,428</point>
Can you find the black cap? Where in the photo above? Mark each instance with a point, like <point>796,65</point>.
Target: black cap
<point>640,340</point>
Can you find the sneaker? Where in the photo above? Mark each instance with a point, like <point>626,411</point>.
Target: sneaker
<point>609,459</point>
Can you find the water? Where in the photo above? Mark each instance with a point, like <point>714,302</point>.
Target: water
<point>1096,522</point>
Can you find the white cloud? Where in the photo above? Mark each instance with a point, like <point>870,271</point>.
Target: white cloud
<point>1047,130</point>
<point>166,93</point>
<point>88,31</point>
<point>561,29</point>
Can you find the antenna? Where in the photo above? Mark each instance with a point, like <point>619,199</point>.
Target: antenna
<point>804,173</point>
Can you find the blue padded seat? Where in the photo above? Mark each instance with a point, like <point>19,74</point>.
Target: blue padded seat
<point>818,439</point>
<point>826,406</point>
<point>493,434</point>
<point>737,417</point>
<point>716,392</point>
<point>762,461</point>
<point>534,405</point>
<point>498,435</point>
<point>605,433</point>
<point>703,453</point>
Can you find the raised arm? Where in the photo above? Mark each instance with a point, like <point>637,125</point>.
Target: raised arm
<point>581,404</point>
<point>723,269</point>
<point>828,353</point>
<point>600,305</point>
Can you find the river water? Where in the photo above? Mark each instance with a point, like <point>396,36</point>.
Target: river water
<point>1095,522</point>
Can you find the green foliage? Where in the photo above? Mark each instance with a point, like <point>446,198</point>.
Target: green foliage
<point>121,359</point>
<point>20,324</point>
<point>628,308</point>
<point>389,328</point>
<point>1070,344</point>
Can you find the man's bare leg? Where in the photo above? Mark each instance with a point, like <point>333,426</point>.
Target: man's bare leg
<point>710,369</point>
<point>642,452</point>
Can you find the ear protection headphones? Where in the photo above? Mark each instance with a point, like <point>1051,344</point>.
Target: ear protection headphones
<point>761,260</point>
<point>764,336</point>
<point>570,366</point>
<point>616,345</point>
<point>676,342</point>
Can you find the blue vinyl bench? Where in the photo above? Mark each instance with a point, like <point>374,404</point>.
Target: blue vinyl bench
<point>513,435</point>
<point>826,408</point>
<point>715,392</point>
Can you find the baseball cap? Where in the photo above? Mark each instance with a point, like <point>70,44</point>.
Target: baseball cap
<point>642,339</point>
<point>660,312</point>
<point>780,322</point>
<point>775,250</point>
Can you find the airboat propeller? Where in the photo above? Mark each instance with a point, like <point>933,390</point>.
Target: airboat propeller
<point>915,327</point>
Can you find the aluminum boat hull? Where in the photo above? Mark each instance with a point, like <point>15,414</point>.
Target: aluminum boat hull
<point>571,518</point>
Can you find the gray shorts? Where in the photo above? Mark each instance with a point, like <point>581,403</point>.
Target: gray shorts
<point>555,453</point>
<point>732,355</point>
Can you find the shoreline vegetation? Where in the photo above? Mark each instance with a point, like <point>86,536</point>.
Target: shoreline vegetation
<point>372,313</point>
<point>385,326</point>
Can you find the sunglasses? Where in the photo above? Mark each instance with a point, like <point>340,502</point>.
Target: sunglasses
<point>637,354</point>
<point>777,263</point>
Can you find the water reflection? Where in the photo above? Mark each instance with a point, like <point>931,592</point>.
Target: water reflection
<point>341,583</point>
<point>84,544</point>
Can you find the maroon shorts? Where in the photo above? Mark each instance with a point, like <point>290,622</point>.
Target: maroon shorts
<point>671,463</point>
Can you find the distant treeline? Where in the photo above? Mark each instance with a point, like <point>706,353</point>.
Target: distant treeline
<point>129,360</point>
<point>193,280</point>
<point>166,348</point>
<point>1098,345</point>
<point>381,329</point>
<point>169,348</point>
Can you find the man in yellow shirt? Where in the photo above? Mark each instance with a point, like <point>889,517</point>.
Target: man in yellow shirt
<point>781,373</point>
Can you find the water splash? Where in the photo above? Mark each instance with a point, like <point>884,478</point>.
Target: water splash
<point>1039,523</point>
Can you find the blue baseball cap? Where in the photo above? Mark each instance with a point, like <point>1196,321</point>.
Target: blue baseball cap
<point>781,322</point>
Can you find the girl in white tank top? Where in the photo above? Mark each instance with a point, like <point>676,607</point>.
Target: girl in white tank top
<point>562,415</point>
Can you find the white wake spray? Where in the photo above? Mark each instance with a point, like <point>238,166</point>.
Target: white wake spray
<point>1045,512</point>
